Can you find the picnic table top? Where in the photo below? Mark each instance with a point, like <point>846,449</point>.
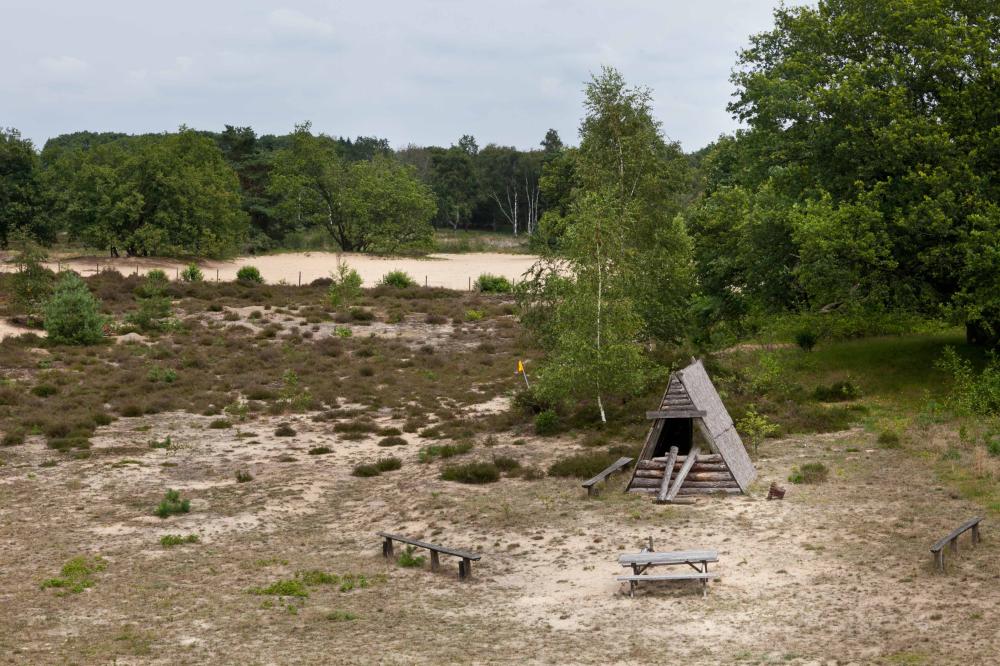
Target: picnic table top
<point>675,557</point>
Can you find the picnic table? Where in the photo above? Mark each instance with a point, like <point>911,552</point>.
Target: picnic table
<point>645,560</point>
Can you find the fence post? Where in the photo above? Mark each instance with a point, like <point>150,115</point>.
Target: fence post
<point>216,274</point>
<point>470,284</point>
<point>425,281</point>
<point>300,278</point>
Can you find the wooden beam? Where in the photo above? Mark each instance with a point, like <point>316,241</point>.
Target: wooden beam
<point>676,414</point>
<point>682,474</point>
<point>665,484</point>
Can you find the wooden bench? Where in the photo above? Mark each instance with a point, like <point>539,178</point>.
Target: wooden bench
<point>633,581</point>
<point>617,466</point>
<point>951,540</point>
<point>464,567</point>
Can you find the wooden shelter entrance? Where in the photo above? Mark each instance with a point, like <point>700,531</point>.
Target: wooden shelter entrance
<point>692,447</point>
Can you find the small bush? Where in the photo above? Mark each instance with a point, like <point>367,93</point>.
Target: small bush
<point>365,470</point>
<point>44,390</point>
<point>192,274</point>
<point>475,472</point>
<point>220,424</point>
<point>389,464</point>
<point>409,560</point>
<point>249,275</point>
<point>398,280</point>
<point>506,464</point>
<point>72,314</point>
<point>243,476</point>
<point>806,339</point>
<point>809,473</point>
<point>160,374</point>
<point>361,315</point>
<point>531,473</point>
<point>546,423</point>
<point>429,453</point>
<point>492,284</point>
<point>284,430</point>
<point>13,438</point>
<point>75,576</point>
<point>171,540</point>
<point>319,450</point>
<point>392,441</point>
<point>888,439</point>
<point>132,410</point>
<point>993,447</point>
<point>165,443</point>
<point>345,285</point>
<point>341,616</point>
<point>582,465</point>
<point>837,392</point>
<point>283,588</point>
<point>172,504</point>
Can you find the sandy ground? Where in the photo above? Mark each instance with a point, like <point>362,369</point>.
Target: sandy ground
<point>454,271</point>
<point>837,573</point>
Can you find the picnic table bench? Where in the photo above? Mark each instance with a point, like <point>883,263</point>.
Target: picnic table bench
<point>616,466</point>
<point>464,567</point>
<point>951,540</point>
<point>642,561</point>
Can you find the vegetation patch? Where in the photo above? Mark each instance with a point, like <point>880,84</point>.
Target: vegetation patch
<point>582,465</point>
<point>408,559</point>
<point>76,575</point>
<point>814,472</point>
<point>319,450</point>
<point>172,504</point>
<point>171,540</point>
<point>393,440</point>
<point>433,452</point>
<point>475,472</point>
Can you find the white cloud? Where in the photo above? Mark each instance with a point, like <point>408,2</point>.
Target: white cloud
<point>295,22</point>
<point>63,66</point>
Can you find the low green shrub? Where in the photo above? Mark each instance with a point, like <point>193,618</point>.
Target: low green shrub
<point>392,441</point>
<point>44,390</point>
<point>474,472</point>
<point>409,560</point>
<point>492,284</point>
<point>546,423</point>
<point>837,392</point>
<point>284,430</point>
<point>292,587</point>
<point>398,280</point>
<point>889,439</point>
<point>249,275</point>
<point>814,472</point>
<point>345,285</point>
<point>192,274</point>
<point>388,464</point>
<point>172,504</point>
<point>171,540</point>
<point>582,465</point>
<point>365,470</point>
<point>341,616</point>
<point>76,575</point>
<point>806,339</point>
<point>319,450</point>
<point>72,314</point>
<point>12,438</point>
<point>429,453</point>
<point>506,464</point>
<point>220,424</point>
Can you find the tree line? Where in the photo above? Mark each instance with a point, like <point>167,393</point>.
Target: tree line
<point>215,193</point>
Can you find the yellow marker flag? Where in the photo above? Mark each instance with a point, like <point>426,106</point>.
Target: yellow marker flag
<point>520,368</point>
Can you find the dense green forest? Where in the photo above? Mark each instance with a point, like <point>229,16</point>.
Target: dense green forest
<point>864,184</point>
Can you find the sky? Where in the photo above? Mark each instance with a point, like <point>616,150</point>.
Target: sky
<point>411,71</point>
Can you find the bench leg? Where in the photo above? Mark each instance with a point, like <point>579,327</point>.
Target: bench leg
<point>434,560</point>
<point>953,546</point>
<point>939,559</point>
<point>465,569</point>
<point>704,588</point>
<point>631,589</point>
<point>975,533</point>
<point>387,549</point>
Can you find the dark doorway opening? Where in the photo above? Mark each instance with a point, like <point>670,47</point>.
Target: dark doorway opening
<point>675,432</point>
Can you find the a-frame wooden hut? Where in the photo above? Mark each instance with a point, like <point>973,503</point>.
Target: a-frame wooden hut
<point>692,447</point>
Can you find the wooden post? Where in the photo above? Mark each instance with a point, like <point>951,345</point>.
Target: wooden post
<point>425,281</point>
<point>177,273</point>
<point>300,278</point>
<point>953,545</point>
<point>434,560</point>
<point>668,471</point>
<point>387,548</point>
<point>470,284</point>
<point>975,533</point>
<point>465,569</point>
<point>216,274</point>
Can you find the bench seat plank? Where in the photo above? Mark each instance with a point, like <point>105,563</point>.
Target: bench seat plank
<point>690,576</point>
<point>611,469</point>
<point>941,543</point>
<point>464,554</point>
<point>678,557</point>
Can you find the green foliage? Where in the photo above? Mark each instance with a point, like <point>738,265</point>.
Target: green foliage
<point>582,465</point>
<point>160,374</point>
<point>292,587</point>
<point>220,424</point>
<point>814,472</point>
<point>171,540</point>
<point>806,339</point>
<point>972,393</point>
<point>365,470</point>
<point>192,274</point>
<point>837,392</point>
<point>249,275</point>
<point>409,560</point>
<point>172,504</point>
<point>888,439</point>
<point>492,284</point>
<point>443,451</point>
<point>72,314</point>
<point>474,315</point>
<point>393,440</point>
<point>398,280</point>
<point>367,205</point>
<point>756,427</point>
<point>162,194</point>
<point>31,285</point>
<point>22,190</point>
<point>388,464</point>
<point>546,423</point>
<point>155,309</point>
<point>341,616</point>
<point>474,472</point>
<point>346,286</point>
<point>77,574</point>
<point>284,430</point>
<point>44,390</point>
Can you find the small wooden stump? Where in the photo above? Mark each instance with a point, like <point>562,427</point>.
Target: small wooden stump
<point>775,491</point>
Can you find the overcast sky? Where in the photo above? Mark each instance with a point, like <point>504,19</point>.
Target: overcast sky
<point>421,71</point>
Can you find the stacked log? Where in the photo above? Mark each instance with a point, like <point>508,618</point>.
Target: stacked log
<point>709,474</point>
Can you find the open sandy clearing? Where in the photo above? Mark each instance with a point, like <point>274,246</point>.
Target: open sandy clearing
<point>453,271</point>
<point>836,573</point>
